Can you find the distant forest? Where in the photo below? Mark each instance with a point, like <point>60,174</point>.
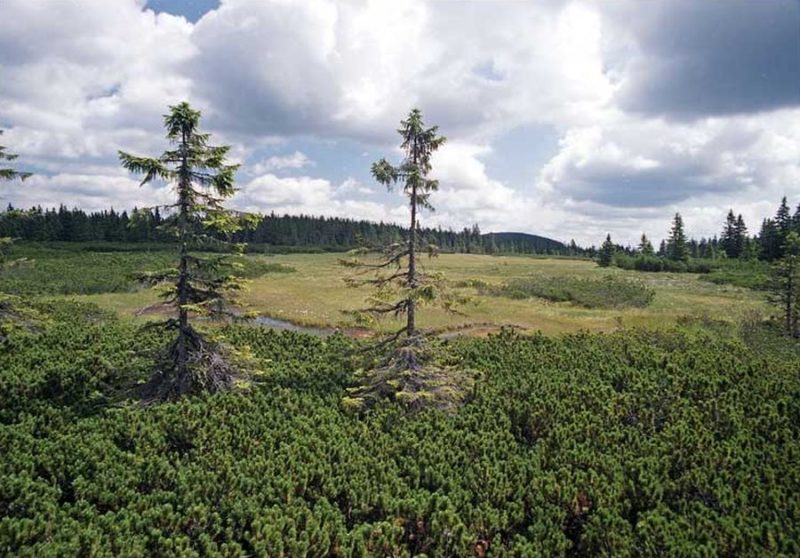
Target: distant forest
<point>733,241</point>
<point>334,234</point>
<point>306,233</point>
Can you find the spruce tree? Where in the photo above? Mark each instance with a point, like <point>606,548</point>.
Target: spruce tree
<point>769,240</point>
<point>783,219</point>
<point>750,251</point>
<point>677,249</point>
<point>785,285</point>
<point>740,237</point>
<point>783,224</point>
<point>607,250</point>
<point>704,247</point>
<point>202,180</point>
<point>645,246</point>
<point>418,144</point>
<point>728,237</point>
<point>406,371</point>
<point>8,173</point>
<point>573,249</point>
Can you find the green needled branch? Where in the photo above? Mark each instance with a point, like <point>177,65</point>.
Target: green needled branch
<point>202,180</point>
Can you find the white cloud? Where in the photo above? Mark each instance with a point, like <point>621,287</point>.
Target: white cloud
<point>311,196</point>
<point>91,192</point>
<point>352,186</point>
<point>83,79</point>
<point>296,160</point>
<point>649,168</point>
<point>352,68</point>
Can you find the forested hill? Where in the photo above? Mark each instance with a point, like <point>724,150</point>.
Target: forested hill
<point>525,243</point>
<point>297,233</point>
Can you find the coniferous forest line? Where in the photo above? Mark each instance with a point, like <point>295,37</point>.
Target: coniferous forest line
<point>281,232</point>
<point>733,242</point>
<point>309,233</point>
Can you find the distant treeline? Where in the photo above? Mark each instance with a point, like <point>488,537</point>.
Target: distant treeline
<point>734,242</point>
<point>288,231</point>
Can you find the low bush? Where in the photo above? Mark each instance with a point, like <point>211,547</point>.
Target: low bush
<point>752,274</point>
<point>667,443</point>
<point>659,264</point>
<point>34,270</point>
<point>609,292</point>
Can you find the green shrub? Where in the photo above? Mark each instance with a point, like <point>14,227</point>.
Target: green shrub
<point>750,274</point>
<point>673,443</point>
<point>609,292</point>
<point>38,269</point>
<point>472,284</point>
<point>658,264</point>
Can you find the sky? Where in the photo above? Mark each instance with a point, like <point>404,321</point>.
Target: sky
<point>570,119</point>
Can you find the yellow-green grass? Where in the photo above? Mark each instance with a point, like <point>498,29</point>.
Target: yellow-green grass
<point>315,295</point>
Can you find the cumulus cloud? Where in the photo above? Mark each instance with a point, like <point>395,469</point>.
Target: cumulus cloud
<point>83,79</point>
<point>693,59</point>
<point>91,192</point>
<point>634,176</point>
<point>678,105</point>
<point>644,163</point>
<point>467,195</point>
<point>352,68</point>
<point>296,160</point>
<point>466,188</point>
<point>305,195</point>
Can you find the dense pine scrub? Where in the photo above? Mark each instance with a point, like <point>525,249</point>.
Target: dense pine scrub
<point>678,443</point>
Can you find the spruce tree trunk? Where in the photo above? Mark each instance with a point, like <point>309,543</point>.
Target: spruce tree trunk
<point>787,308</point>
<point>182,365</point>
<point>412,264</point>
<point>411,325</point>
<point>791,310</point>
<point>183,315</point>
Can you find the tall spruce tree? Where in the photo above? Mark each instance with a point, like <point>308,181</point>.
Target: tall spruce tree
<point>202,180</point>
<point>783,224</point>
<point>785,285</point>
<point>418,144</point>
<point>783,218</point>
<point>406,372</point>
<point>677,249</point>
<point>8,173</point>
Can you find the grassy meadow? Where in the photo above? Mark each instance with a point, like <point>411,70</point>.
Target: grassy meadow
<point>315,294</point>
